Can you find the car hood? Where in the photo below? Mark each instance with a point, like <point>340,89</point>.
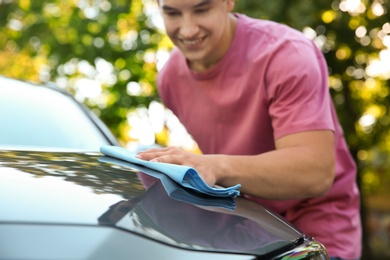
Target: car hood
<point>79,189</point>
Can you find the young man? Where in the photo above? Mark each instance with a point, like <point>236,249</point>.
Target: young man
<point>254,96</point>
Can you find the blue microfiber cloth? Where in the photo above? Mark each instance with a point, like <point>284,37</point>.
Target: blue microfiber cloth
<point>174,190</point>
<point>183,175</point>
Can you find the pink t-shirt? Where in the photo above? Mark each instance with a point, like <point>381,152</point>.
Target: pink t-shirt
<point>272,82</point>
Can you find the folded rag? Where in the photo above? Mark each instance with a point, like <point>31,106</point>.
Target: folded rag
<point>174,190</point>
<point>185,176</point>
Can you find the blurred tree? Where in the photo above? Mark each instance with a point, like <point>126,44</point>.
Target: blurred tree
<point>101,51</point>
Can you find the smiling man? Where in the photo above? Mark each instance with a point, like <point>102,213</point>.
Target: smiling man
<point>254,96</point>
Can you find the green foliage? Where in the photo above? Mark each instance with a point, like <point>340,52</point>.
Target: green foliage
<point>65,41</point>
<point>295,13</point>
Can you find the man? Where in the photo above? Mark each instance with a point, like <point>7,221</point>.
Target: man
<point>254,96</point>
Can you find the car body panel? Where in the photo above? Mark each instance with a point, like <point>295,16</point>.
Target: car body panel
<point>94,243</point>
<point>45,195</point>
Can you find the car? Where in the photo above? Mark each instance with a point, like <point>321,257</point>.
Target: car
<point>84,205</point>
<point>45,117</point>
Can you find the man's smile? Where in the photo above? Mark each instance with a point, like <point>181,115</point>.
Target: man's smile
<point>193,43</point>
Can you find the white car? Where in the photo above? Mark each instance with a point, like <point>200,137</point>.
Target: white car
<point>38,117</point>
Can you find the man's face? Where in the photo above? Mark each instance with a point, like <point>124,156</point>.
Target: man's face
<point>201,29</point>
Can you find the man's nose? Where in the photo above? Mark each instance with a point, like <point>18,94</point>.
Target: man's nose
<point>189,27</point>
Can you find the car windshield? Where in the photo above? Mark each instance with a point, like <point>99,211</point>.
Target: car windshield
<point>39,118</point>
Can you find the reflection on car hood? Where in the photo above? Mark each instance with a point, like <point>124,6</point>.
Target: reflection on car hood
<point>76,188</point>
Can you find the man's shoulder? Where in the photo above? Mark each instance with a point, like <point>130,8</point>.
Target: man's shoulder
<point>271,30</point>
<point>251,23</point>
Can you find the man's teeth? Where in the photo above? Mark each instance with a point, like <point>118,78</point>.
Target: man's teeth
<point>192,42</point>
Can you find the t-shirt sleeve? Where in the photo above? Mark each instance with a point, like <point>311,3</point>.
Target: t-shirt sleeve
<point>297,89</point>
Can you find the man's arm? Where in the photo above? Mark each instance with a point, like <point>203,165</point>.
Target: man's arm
<point>302,166</point>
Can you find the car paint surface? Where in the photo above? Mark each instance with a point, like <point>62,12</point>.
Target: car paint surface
<point>114,208</point>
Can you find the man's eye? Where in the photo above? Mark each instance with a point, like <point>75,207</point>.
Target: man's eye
<point>172,13</point>
<point>199,11</point>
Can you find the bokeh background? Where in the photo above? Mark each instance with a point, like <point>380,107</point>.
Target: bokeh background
<point>108,53</point>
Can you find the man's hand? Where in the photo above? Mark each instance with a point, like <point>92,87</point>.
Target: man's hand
<point>206,165</point>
